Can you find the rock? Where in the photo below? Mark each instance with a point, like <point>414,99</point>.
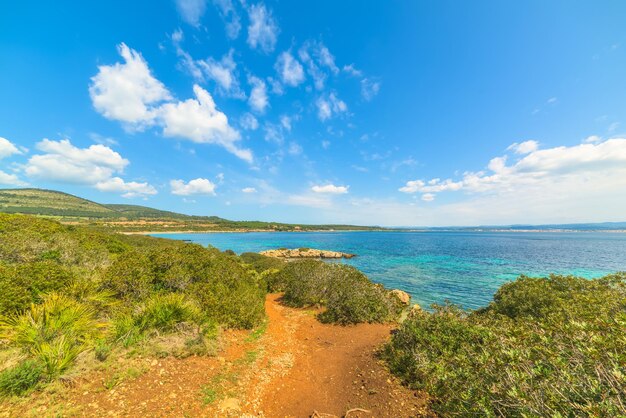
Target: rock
<point>403,297</point>
<point>305,253</point>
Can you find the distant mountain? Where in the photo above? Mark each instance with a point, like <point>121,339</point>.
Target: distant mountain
<point>121,217</point>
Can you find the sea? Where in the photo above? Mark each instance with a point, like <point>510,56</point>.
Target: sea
<point>462,267</point>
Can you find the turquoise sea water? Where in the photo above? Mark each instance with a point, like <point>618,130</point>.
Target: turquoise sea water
<point>463,267</point>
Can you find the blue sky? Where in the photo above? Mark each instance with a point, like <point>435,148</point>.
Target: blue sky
<point>388,113</point>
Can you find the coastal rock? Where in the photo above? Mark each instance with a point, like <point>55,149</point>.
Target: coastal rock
<point>403,297</point>
<point>304,253</point>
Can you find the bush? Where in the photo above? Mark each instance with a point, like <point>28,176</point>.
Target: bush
<point>21,378</point>
<point>54,332</point>
<point>544,347</point>
<point>23,284</point>
<point>347,294</point>
<point>163,312</point>
<point>269,267</point>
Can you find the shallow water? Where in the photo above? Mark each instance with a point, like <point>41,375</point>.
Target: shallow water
<point>465,268</point>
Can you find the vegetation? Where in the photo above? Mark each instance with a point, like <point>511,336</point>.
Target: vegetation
<point>551,346</point>
<point>71,291</point>
<point>347,295</point>
<point>132,218</point>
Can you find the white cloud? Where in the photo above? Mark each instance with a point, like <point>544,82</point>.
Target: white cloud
<point>286,122</point>
<point>197,186</point>
<point>593,139</point>
<point>94,166</point>
<point>186,60</point>
<point>127,92</point>
<point>541,169</point>
<point>223,72</point>
<point>294,148</point>
<point>330,189</point>
<point>7,148</point>
<point>249,122</point>
<point>127,189</point>
<point>249,190</point>
<point>191,11</point>
<point>428,197</point>
<point>7,179</point>
<point>258,100</point>
<point>316,56</point>
<point>325,144</point>
<point>199,121</point>
<point>64,162</point>
<point>327,106</point>
<point>525,147</point>
<point>369,89</point>
<point>263,30</point>
<point>352,70</point>
<point>229,16</point>
<point>289,69</point>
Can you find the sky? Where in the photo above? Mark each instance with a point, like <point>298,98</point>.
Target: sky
<point>401,113</point>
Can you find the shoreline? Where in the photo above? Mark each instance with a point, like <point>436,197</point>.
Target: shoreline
<point>565,231</point>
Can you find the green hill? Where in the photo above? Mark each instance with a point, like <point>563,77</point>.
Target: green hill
<point>131,218</point>
<point>51,203</point>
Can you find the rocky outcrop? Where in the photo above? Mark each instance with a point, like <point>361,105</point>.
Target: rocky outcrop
<point>304,253</point>
<point>403,297</point>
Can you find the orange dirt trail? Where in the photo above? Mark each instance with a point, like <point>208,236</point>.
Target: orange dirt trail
<point>297,368</point>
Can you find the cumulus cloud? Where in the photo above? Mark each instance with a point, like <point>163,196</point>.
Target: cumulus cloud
<point>229,16</point>
<point>223,72</point>
<point>64,162</point>
<point>330,189</point>
<point>369,89</point>
<point>249,122</point>
<point>525,147</point>
<point>94,166</point>
<point>127,92</point>
<point>191,11</point>
<point>428,197</point>
<point>199,186</point>
<point>7,148</point>
<point>258,100</point>
<point>263,30</point>
<point>249,190</point>
<point>329,105</point>
<point>317,57</point>
<point>7,179</point>
<point>127,189</point>
<point>200,121</point>
<point>289,69</point>
<point>539,169</point>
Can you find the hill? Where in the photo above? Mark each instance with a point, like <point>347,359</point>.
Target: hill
<point>72,209</point>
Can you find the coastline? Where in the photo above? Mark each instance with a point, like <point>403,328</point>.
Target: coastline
<point>212,231</point>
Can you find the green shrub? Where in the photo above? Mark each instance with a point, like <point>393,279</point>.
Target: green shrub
<point>269,267</point>
<point>55,332</point>
<point>347,294</point>
<point>20,379</point>
<point>130,276</point>
<point>544,347</point>
<point>23,284</point>
<point>163,312</point>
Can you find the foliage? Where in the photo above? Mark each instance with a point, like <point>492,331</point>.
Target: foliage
<point>23,284</point>
<point>347,294</point>
<point>544,347</point>
<point>55,331</point>
<point>67,290</point>
<point>21,378</point>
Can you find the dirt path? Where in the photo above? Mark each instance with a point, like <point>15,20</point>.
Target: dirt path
<point>294,367</point>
